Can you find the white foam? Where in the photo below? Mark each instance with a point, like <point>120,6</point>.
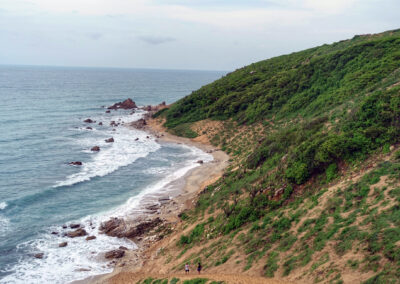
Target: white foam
<point>78,260</point>
<point>3,205</point>
<point>122,152</point>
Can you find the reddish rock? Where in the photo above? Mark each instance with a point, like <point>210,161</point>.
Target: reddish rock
<point>76,163</point>
<point>95,149</point>
<point>63,244</point>
<point>117,253</point>
<point>77,233</point>
<point>109,140</point>
<point>127,104</point>
<point>90,238</point>
<point>116,227</point>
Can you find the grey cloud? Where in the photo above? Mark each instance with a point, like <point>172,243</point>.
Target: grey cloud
<point>155,40</point>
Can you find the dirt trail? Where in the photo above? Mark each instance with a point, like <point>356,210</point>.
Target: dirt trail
<point>126,277</point>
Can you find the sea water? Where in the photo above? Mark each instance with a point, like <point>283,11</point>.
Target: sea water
<point>41,130</point>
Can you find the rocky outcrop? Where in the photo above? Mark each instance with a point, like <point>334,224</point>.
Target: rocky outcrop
<point>77,233</point>
<point>117,227</point>
<point>117,253</point>
<point>95,149</point>
<point>139,124</point>
<point>127,104</point>
<point>63,244</point>
<point>76,163</point>
<point>88,120</point>
<point>109,140</point>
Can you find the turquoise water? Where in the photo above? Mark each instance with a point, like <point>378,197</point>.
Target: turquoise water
<point>41,113</point>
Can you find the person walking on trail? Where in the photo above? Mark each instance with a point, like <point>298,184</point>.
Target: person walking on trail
<point>187,268</point>
<point>199,268</point>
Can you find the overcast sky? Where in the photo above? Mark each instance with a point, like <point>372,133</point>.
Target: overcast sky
<point>179,34</point>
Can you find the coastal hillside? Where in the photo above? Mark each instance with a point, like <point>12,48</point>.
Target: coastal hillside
<point>313,191</point>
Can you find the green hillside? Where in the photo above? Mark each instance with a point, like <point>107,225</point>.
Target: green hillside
<point>296,126</point>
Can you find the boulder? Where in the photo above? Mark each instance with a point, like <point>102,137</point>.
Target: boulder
<point>63,244</point>
<point>107,111</point>
<point>117,253</point>
<point>136,139</point>
<point>200,161</point>
<point>95,149</point>
<point>89,128</point>
<point>127,104</point>
<point>75,226</point>
<point>100,123</point>
<point>88,120</point>
<point>109,140</point>
<point>54,233</point>
<point>77,233</point>
<point>76,163</point>
<point>90,238</point>
<point>39,255</point>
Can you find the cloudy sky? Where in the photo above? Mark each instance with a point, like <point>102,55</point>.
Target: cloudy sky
<point>179,34</point>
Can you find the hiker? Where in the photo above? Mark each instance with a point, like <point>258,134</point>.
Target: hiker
<point>187,268</point>
<point>199,268</point>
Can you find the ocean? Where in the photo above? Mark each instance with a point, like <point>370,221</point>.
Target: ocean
<point>41,113</point>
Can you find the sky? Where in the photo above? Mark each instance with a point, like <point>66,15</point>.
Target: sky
<point>179,34</point>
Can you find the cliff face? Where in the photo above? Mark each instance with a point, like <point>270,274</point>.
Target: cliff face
<point>313,190</point>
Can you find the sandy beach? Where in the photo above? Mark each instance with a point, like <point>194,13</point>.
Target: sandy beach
<point>181,198</point>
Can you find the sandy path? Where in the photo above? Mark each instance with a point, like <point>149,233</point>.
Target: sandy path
<point>126,277</point>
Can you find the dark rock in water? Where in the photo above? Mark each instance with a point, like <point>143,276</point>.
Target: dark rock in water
<point>139,124</point>
<point>123,248</point>
<point>113,123</point>
<point>76,163</point>
<point>75,226</point>
<point>109,140</point>
<point>117,253</point>
<point>89,128</point>
<point>200,161</point>
<point>147,137</point>
<point>54,233</point>
<point>88,120</point>
<point>107,111</point>
<point>63,244</point>
<point>95,149</point>
<point>90,238</point>
<point>64,226</point>
<point>100,123</point>
<point>39,255</point>
<point>136,139</point>
<point>77,233</point>
<point>127,104</point>
<point>113,130</point>
<point>109,226</point>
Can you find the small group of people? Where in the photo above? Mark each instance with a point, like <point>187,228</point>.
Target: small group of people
<point>187,268</point>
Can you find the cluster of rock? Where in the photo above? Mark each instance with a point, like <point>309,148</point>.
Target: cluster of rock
<point>117,227</point>
<point>127,104</point>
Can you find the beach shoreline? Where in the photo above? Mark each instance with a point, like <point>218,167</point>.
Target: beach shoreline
<point>185,191</point>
